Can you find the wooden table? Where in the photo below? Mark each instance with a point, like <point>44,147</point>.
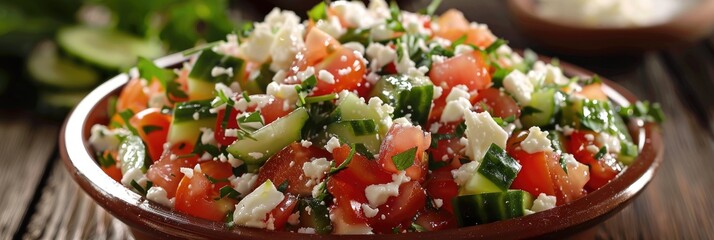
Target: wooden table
<point>41,201</point>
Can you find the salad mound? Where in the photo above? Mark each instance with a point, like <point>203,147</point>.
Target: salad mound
<point>360,120</point>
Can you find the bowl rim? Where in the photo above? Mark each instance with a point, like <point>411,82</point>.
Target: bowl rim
<point>699,10</point>
<point>158,220</point>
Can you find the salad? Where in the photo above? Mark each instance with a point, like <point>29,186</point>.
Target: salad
<point>361,120</point>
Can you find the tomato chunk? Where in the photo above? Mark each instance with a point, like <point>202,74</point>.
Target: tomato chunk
<point>282,212</point>
<point>360,172</point>
<point>601,172</point>
<point>440,185</point>
<point>399,139</point>
<point>400,210</point>
<point>435,220</point>
<point>197,195</point>
<point>166,172</point>
<point>286,165</point>
<point>153,127</point>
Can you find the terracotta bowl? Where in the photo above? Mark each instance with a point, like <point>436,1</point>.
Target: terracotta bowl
<point>148,220</point>
<point>687,27</point>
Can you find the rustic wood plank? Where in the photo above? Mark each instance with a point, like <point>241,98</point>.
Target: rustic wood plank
<point>65,212</point>
<point>26,146</point>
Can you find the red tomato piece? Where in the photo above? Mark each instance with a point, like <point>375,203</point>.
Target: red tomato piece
<point>286,165</point>
<point>113,171</point>
<point>400,210</point>
<point>534,177</point>
<point>346,74</point>
<point>399,139</point>
<point>600,171</point>
<point>468,69</point>
<point>440,185</point>
<point>166,173</point>
<point>153,127</point>
<point>348,200</point>
<point>453,25</point>
<point>435,220</point>
<point>360,172</point>
<point>220,133</point>
<point>497,103</point>
<point>282,212</point>
<point>196,195</point>
<point>447,150</point>
<point>132,97</point>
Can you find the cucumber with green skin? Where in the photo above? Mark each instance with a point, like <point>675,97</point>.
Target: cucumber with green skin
<point>201,80</point>
<point>132,154</point>
<point>184,127</point>
<point>410,96</point>
<point>108,49</point>
<point>545,104</point>
<point>484,208</point>
<point>318,217</point>
<point>52,71</point>
<point>270,139</point>
<point>351,108</point>
<point>346,133</point>
<point>495,173</point>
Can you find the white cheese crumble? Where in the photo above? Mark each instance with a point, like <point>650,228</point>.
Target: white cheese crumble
<point>316,169</point>
<point>331,26</point>
<point>463,174</point>
<point>368,211</point>
<point>380,55</point>
<point>158,194</point>
<point>332,144</point>
<point>454,110</point>
<point>284,91</point>
<point>518,85</point>
<point>438,91</point>
<point>218,71</point>
<point>103,138</point>
<point>611,142</point>
<point>306,230</point>
<point>402,121</point>
<point>462,49</point>
<point>377,194</point>
<point>244,183</point>
<point>543,202</point>
<point>255,155</point>
<point>188,172</point>
<point>355,46</point>
<point>384,110</point>
<point>536,141</point>
<point>305,143</point>
<point>207,137</point>
<point>252,210</point>
<point>438,202</point>
<point>235,162</point>
<point>134,174</point>
<point>481,132</point>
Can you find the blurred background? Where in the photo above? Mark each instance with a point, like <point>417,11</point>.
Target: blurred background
<point>53,52</point>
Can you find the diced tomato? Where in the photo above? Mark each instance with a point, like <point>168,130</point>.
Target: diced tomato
<point>153,127</point>
<point>232,123</point>
<point>196,195</point>
<point>364,89</point>
<point>469,69</point>
<point>276,108</point>
<point>594,92</point>
<point>318,45</point>
<point>447,150</point>
<point>132,97</point>
<point>348,199</point>
<point>282,212</point>
<point>166,172</point>
<point>497,103</point>
<point>435,220</point>
<point>453,25</point>
<point>601,172</point>
<point>360,172</point>
<point>399,139</point>
<point>569,186</point>
<point>400,210</point>
<point>286,165</point>
<point>113,171</point>
<point>440,185</point>
<point>534,177</point>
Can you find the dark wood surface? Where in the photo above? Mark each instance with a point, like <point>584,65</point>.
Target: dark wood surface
<point>40,201</point>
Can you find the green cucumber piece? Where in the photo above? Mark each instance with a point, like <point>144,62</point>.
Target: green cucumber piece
<point>410,96</point>
<point>495,173</point>
<point>490,207</point>
<point>545,103</point>
<point>270,139</point>
<point>61,100</point>
<point>344,130</point>
<point>351,107</point>
<point>184,127</point>
<point>201,82</point>
<point>132,154</point>
<point>50,70</point>
<point>318,217</point>
<point>257,84</point>
<point>105,48</point>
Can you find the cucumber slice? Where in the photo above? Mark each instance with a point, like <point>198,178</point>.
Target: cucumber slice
<point>351,107</point>
<point>270,139</point>
<point>490,207</point>
<point>545,103</point>
<point>410,96</point>
<point>318,217</point>
<point>62,100</point>
<point>201,81</point>
<point>52,71</point>
<point>132,154</point>
<point>184,127</point>
<point>258,83</point>
<point>345,131</point>
<point>495,173</point>
<point>105,48</point>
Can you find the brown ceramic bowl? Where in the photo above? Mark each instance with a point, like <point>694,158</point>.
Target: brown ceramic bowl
<point>687,27</point>
<point>148,220</point>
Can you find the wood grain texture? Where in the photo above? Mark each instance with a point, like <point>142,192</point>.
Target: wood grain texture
<point>25,145</point>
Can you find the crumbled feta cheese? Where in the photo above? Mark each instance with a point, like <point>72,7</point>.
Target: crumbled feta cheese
<point>592,149</point>
<point>188,172</point>
<point>462,49</point>
<point>133,174</point>
<point>384,110</point>
<point>253,209</point>
<point>437,59</point>
<point>368,211</point>
<point>414,23</point>
<point>518,85</point>
<point>316,169</point>
<point>458,91</point>
<point>589,137</point>
<point>244,183</point>
<point>306,230</point>
<point>218,71</point>
<point>438,91</point>
<point>567,130</point>
<point>158,194</point>
<point>255,155</point>
<point>331,26</point>
<point>305,143</point>
<point>454,110</point>
<point>332,144</point>
<point>381,32</point>
<point>344,71</point>
<point>405,64</point>
<point>536,141</point>
<point>284,91</point>
<point>326,77</point>
<point>481,132</point>
<point>256,47</point>
<point>434,128</point>
<point>611,142</point>
<point>543,202</point>
<point>463,174</point>
<point>377,194</point>
<point>355,46</point>
<point>438,202</point>
<point>207,136</point>
<point>235,162</point>
<point>103,138</point>
<point>228,47</point>
<point>569,159</point>
<point>354,13</point>
<point>231,132</point>
<point>380,55</point>
<point>402,121</point>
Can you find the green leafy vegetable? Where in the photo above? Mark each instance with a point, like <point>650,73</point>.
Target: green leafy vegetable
<point>644,110</point>
<point>125,116</point>
<point>343,165</point>
<point>431,8</point>
<point>142,190</point>
<point>404,159</point>
<point>249,122</point>
<point>229,192</point>
<point>106,160</point>
<point>394,23</point>
<point>318,12</point>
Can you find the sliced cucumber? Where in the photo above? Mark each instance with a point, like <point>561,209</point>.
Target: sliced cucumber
<point>256,84</point>
<point>410,96</point>
<point>270,139</point>
<point>105,48</point>
<point>351,108</point>
<point>544,105</point>
<point>490,207</point>
<point>201,81</point>
<point>495,173</point>
<point>61,100</point>
<point>345,131</point>
<point>184,127</point>
<point>50,70</point>
<point>318,217</point>
<point>132,154</point>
